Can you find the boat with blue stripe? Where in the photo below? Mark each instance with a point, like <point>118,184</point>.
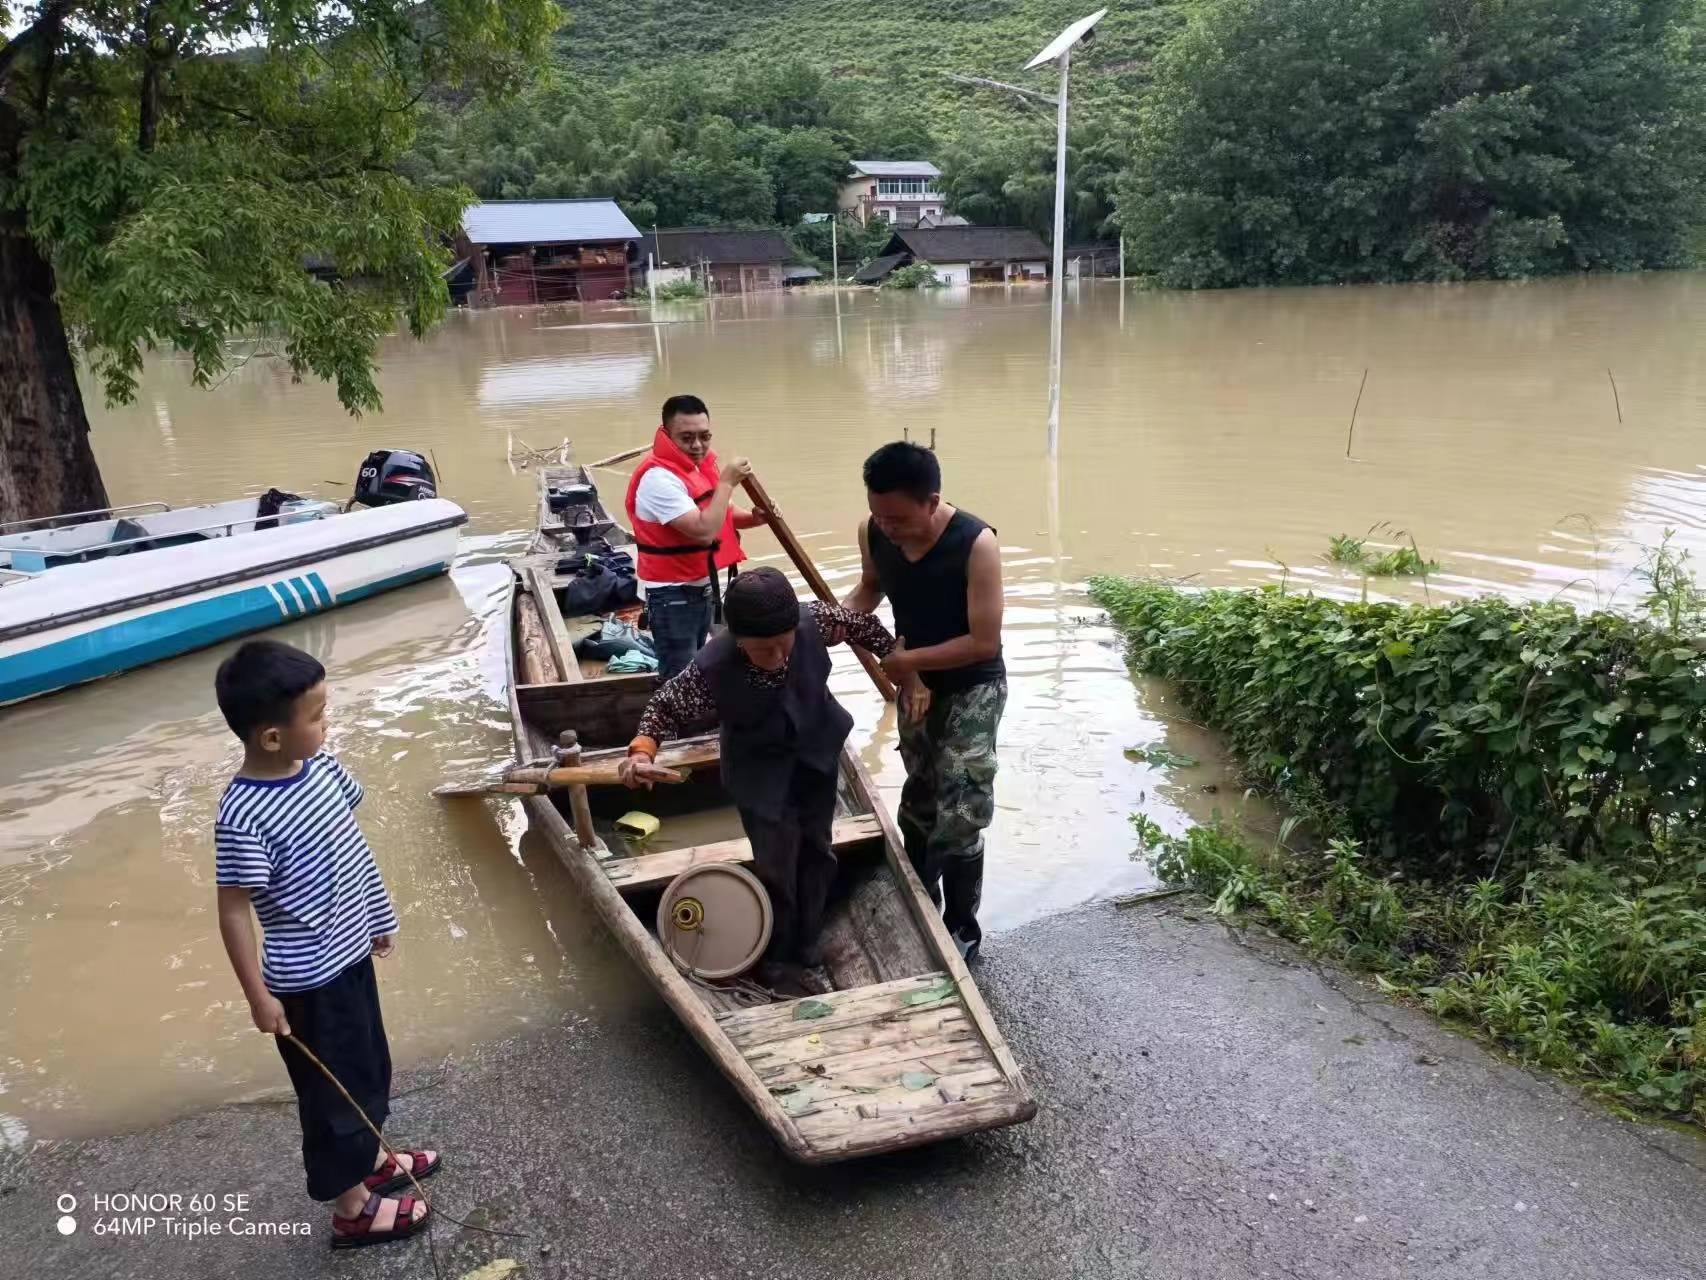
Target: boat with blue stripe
<point>94,594</point>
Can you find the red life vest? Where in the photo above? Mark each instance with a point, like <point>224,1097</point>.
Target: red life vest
<point>667,555</point>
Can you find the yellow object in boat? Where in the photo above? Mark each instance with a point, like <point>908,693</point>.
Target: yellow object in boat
<point>641,826</point>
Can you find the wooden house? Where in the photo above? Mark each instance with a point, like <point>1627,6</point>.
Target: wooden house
<point>530,251</point>
<point>724,259</point>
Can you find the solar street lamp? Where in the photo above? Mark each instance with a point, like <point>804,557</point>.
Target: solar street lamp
<point>1059,50</point>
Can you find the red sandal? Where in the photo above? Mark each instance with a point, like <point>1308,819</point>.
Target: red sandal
<point>390,1177</point>
<point>353,1233</point>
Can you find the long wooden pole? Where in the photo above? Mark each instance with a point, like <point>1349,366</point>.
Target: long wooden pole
<point>624,456</point>
<point>814,579</point>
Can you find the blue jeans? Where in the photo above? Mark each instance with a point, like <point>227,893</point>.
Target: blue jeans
<point>681,619</point>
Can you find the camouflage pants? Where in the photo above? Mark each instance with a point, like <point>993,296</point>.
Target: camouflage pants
<point>949,798</point>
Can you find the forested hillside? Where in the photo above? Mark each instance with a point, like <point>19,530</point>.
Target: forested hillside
<point>692,111</point>
<point>1234,141</point>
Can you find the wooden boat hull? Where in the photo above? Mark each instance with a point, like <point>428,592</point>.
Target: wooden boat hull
<point>904,1054</point>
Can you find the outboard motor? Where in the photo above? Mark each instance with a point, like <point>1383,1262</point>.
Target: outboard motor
<point>394,475</point>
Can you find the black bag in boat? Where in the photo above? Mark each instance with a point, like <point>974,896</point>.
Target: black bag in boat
<point>601,583</point>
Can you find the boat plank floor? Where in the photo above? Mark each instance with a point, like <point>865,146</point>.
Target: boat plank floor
<point>752,1028</point>
<point>655,870</point>
<point>876,1069</point>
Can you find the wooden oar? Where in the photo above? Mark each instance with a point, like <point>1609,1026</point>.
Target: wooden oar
<point>527,780</point>
<point>803,562</point>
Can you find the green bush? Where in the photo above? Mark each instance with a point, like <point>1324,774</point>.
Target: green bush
<point>1462,734</point>
<point>680,291</point>
<point>1509,797</point>
<point>917,275</point>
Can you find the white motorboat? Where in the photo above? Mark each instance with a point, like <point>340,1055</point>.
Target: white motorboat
<point>96,593</point>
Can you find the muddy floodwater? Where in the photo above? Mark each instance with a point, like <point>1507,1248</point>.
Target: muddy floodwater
<point>1202,435</point>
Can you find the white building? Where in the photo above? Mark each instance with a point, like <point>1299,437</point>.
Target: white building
<point>898,192</point>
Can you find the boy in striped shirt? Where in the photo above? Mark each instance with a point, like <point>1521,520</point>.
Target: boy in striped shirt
<point>287,845</point>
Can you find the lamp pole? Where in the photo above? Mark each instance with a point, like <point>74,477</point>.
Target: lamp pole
<point>1057,283</point>
<point>1059,51</point>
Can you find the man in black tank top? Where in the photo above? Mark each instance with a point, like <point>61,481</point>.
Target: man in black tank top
<point>941,569</point>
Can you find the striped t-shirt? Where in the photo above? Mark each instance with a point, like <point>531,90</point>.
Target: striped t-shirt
<point>294,844</point>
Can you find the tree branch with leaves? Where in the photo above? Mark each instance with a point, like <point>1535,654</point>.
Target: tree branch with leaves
<point>167,170</point>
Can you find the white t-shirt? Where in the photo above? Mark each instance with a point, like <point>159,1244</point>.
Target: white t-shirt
<point>662,497</point>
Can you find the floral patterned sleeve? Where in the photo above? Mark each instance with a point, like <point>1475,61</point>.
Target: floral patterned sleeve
<point>684,699</point>
<point>840,625</point>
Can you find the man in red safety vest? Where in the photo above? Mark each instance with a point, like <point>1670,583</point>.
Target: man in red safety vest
<point>684,526</point>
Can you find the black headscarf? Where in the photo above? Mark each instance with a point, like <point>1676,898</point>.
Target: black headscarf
<point>760,603</point>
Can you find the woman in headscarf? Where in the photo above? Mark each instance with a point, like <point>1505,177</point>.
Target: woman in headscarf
<point>765,681</point>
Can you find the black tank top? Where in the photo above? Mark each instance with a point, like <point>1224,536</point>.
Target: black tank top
<point>929,597</point>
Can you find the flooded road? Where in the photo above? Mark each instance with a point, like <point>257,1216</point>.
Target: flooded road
<point>1202,435</point>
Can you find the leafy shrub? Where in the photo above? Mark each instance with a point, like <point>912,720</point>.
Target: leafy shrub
<point>1401,562</point>
<point>1459,734</point>
<point>680,291</point>
<point>1405,562</point>
<point>917,275</point>
<point>1509,795</point>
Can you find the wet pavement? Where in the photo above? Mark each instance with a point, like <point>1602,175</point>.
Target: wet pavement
<point>1211,1106</point>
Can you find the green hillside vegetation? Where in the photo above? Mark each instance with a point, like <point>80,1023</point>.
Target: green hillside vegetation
<point>1235,141</point>
<point>690,112</point>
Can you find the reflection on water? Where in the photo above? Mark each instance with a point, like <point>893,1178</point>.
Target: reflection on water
<point>1203,436</point>
<point>551,380</point>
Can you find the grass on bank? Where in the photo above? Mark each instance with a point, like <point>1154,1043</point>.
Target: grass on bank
<point>1506,801</point>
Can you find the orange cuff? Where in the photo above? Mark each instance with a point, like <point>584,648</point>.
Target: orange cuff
<point>644,746</point>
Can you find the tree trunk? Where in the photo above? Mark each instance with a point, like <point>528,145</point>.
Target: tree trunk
<point>46,463</point>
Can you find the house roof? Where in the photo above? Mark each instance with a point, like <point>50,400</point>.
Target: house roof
<point>681,246</point>
<point>969,244</point>
<point>895,169</point>
<point>943,220</point>
<point>546,221</point>
<point>874,270</point>
<point>800,271</point>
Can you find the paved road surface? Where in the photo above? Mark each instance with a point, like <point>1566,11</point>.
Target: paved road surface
<point>1211,1108</point>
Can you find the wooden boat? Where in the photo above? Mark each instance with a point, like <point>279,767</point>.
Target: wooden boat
<point>906,1053</point>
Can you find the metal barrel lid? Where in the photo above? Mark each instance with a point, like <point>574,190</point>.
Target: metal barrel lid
<point>714,921</point>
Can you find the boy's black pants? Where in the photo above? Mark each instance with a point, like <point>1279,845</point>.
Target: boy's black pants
<point>340,1022</point>
<point>794,856</point>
